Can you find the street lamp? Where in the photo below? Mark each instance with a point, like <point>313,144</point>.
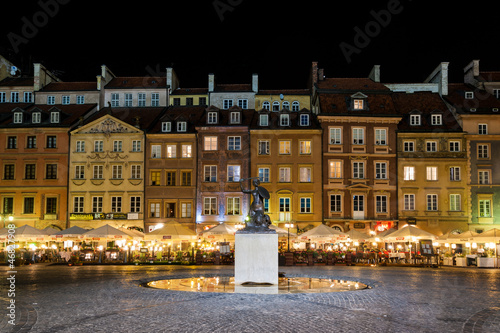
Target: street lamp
<point>288,226</point>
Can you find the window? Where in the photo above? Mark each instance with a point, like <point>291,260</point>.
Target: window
<point>227,103</point>
<point>155,151</point>
<point>284,175</point>
<point>155,178</point>
<point>380,170</point>
<point>117,172</point>
<point>436,119</point>
<point>358,104</point>
<point>496,93</point>
<point>409,202</point>
<point>136,145</point>
<point>155,99</point>
<point>186,209</point>
<point>285,147</point>
<point>135,171</point>
<point>414,119</point>
<point>264,120</point>
<point>166,126</point>
<point>264,175</point>
<point>79,172</point>
<point>116,204</point>
<point>431,146</point>
<point>409,173</point>
<point>96,204</point>
<point>295,106</point>
<point>469,95</point>
<point>266,205</point>
<point>482,129</point>
<point>432,204</point>
<point>335,136</point>
<point>31,142</point>
<point>233,173</point>
<point>78,204</point>
<point>210,206</point>
<point>135,204</point>
<point>51,171</point>
<point>189,101</point>
<point>233,206</point>
<point>359,203</point>
<point>304,120</point>
<point>29,205</point>
<point>243,103</point>
<point>14,97</point>
<point>117,146</point>
<point>51,141</point>
<point>432,173</point>
<point>284,120</point>
<point>455,173</point>
<point>305,205</point>
<point>266,106</point>
<point>381,203</point>
<point>276,106</point>
<point>235,118</point>
<point>485,208</point>
<point>284,209</point>
<point>154,208</point>
<point>18,118</point>
<point>181,126</point>
<point>171,151</point>
<point>335,203</point>
<point>234,143</point>
<point>358,136</point>
<point>305,174</point>
<point>210,143</point>
<point>80,146</point>
<point>80,99</point>
<point>97,174</point>
<point>8,171</point>
<point>358,170</point>
<point>210,173</point>
<point>335,169</point>
<point>8,205</point>
<point>454,146</point>
<point>51,100</point>
<point>484,177</point>
<point>36,117</point>
<point>115,100</point>
<point>30,171</point>
<point>381,137</point>
<point>482,151</point>
<point>65,100</point>
<point>286,105</point>
<point>305,147</point>
<point>28,97</point>
<point>264,147</point>
<point>54,117</point>
<point>409,146</point>
<point>98,146</point>
<point>187,151</point>
<point>186,178</point>
<point>128,100</point>
<point>51,206</point>
<point>3,97</point>
<point>141,99</point>
<point>455,202</point>
<point>12,142</point>
<point>170,210</point>
<point>170,175</point>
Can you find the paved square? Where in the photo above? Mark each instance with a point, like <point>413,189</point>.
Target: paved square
<point>52,298</point>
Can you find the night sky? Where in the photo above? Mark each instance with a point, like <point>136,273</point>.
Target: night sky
<point>235,38</point>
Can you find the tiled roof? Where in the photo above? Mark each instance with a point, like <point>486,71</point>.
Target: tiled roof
<point>232,87</point>
<point>144,115</point>
<point>224,116</point>
<point>70,86</point>
<point>358,84</point>
<point>481,103</point>
<point>489,76</point>
<point>340,104</point>
<point>137,82</point>
<point>285,92</point>
<point>17,82</point>
<point>70,115</point>
<point>190,114</point>
<point>294,120</point>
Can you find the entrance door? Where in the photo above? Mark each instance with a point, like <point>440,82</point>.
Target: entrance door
<point>358,207</point>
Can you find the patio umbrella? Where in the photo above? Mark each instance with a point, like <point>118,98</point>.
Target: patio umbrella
<point>357,236</point>
<point>106,231</point>
<point>490,236</point>
<point>73,232</point>
<point>466,236</point>
<point>171,231</point>
<point>135,234</point>
<point>50,231</point>
<point>321,231</point>
<point>27,233</point>
<point>222,231</point>
<point>282,232</point>
<point>408,234</point>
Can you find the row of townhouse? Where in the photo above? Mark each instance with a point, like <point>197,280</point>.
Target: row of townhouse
<point>348,152</point>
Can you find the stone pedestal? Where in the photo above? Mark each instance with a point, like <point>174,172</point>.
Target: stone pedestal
<point>256,258</point>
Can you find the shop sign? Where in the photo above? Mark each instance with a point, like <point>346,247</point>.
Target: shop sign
<point>133,216</point>
<point>411,221</point>
<point>74,216</point>
<point>110,216</point>
<point>383,225</point>
<point>359,225</point>
<point>426,247</point>
<point>167,237</point>
<point>400,238</point>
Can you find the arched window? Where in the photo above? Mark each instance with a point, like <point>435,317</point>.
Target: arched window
<point>266,105</point>
<point>276,106</point>
<point>295,106</point>
<point>286,105</point>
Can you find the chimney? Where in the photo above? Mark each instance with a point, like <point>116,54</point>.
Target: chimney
<point>314,73</point>
<point>321,74</point>
<point>211,82</point>
<point>255,83</point>
<point>440,77</point>
<point>375,73</point>
<point>172,80</point>
<point>471,72</point>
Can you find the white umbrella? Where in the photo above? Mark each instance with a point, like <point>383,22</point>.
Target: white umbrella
<point>357,236</point>
<point>135,234</point>
<point>73,232</point>
<point>282,232</point>
<point>106,231</point>
<point>222,231</point>
<point>492,235</point>
<point>50,231</point>
<point>27,233</point>
<point>464,237</point>
<point>321,231</point>
<point>408,233</point>
<point>171,231</point>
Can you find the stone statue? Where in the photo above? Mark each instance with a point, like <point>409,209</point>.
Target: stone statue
<point>259,222</point>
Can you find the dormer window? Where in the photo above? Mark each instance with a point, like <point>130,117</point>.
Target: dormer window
<point>304,120</point>
<point>235,118</point>
<point>295,106</point>
<point>358,104</point>
<point>166,126</point>
<point>358,101</point>
<point>36,117</point>
<point>266,106</point>
<point>54,117</point>
<point>436,119</point>
<point>414,119</point>
<point>212,118</point>
<point>276,106</point>
<point>285,120</point>
<point>181,126</point>
<point>264,120</point>
<point>286,105</point>
<point>469,95</point>
<point>18,117</point>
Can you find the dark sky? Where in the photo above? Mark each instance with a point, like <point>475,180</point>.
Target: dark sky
<point>235,38</point>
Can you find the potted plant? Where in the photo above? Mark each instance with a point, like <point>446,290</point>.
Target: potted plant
<point>460,260</point>
<point>488,260</point>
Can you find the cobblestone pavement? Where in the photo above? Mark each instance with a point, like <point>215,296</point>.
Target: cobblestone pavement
<point>52,298</point>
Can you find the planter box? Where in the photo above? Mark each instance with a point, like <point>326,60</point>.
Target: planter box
<point>448,261</point>
<point>486,262</point>
<point>461,261</point>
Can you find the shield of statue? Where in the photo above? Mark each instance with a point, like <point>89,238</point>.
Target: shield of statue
<point>263,192</point>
